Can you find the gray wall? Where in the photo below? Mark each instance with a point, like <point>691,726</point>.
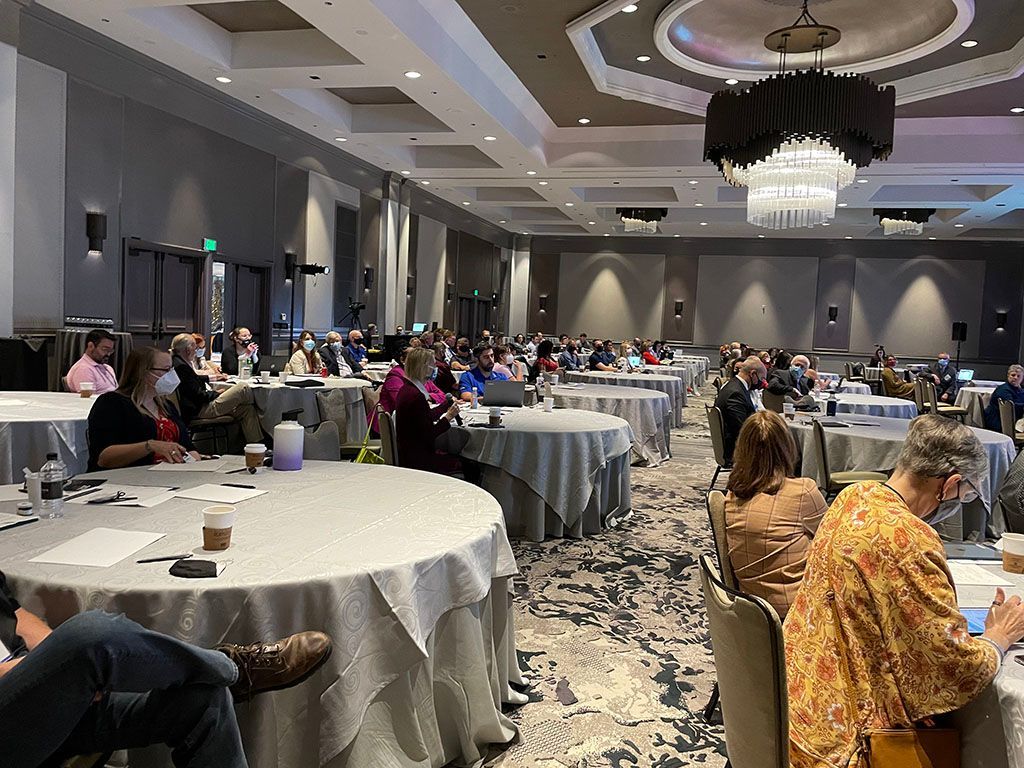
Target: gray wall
<point>612,295</point>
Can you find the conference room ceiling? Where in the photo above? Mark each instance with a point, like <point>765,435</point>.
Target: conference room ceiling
<point>492,123</point>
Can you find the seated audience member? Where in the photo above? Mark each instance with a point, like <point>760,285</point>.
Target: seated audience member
<point>420,421</point>
<point>944,377</point>
<point>790,381</point>
<point>647,353</point>
<point>766,358</point>
<point>393,383</point>
<point>770,515</point>
<point>201,364</point>
<point>531,348</point>
<point>570,359</point>
<point>476,378</point>
<point>354,352</point>
<point>892,384</point>
<point>330,353</point>
<point>240,346</point>
<point>735,402</point>
<point>875,638</point>
<point>877,360</point>
<point>507,364</point>
<point>444,379</point>
<point>545,362</point>
<point>625,352</point>
<point>463,359</point>
<point>585,345</point>
<point>106,683</point>
<point>1011,391</point>
<point>562,341</point>
<point>427,339</point>
<point>305,359</point>
<point>603,357</point>
<point>198,401</point>
<point>449,340</point>
<point>138,423</point>
<point>519,344</point>
<point>93,365</point>
<point>371,334</point>
<point>485,338</point>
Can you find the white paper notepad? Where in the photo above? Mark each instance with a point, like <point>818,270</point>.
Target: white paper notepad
<point>210,465</point>
<point>967,575</point>
<point>100,547</point>
<point>223,494</point>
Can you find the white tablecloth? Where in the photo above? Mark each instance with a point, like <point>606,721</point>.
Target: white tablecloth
<point>670,385</point>
<point>648,412</point>
<point>699,367</point>
<point>876,447</point>
<point>873,405</point>
<point>409,576</point>
<point>975,400</point>
<point>855,388</point>
<point>33,424</point>
<point>682,370</point>
<point>273,399</point>
<point>564,473</point>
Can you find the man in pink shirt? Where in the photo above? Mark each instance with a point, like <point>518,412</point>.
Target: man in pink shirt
<point>92,366</point>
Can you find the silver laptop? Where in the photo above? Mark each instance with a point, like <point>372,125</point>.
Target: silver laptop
<point>506,393</point>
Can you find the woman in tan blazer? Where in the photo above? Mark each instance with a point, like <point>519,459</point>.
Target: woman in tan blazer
<point>770,515</point>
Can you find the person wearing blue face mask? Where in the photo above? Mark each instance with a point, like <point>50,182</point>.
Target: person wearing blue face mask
<point>305,359</point>
<point>791,381</point>
<point>944,374</point>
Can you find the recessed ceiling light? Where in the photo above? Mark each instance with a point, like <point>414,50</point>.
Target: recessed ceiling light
<point>699,205</point>
<point>931,238</point>
<point>968,43</point>
<point>340,138</point>
<point>643,59</point>
<point>1017,110</point>
<point>761,236</point>
<point>862,181</point>
<point>569,205</point>
<point>503,221</point>
<point>732,81</point>
<point>542,183</point>
<point>407,173</point>
<point>631,8</point>
<point>531,173</point>
<point>583,120</point>
<point>703,223</point>
<point>223,79</point>
<point>412,74</point>
<point>841,205</point>
<point>958,226</point>
<point>693,181</point>
<point>676,235</point>
<point>490,138</point>
<point>606,234</point>
<point>591,223</point>
<point>826,223</point>
<point>465,202</point>
<point>848,237</point>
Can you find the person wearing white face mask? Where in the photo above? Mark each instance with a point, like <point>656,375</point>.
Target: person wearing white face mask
<point>506,363</point>
<point>305,359</point>
<point>138,423</point>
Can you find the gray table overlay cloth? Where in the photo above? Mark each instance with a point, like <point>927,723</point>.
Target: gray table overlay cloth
<point>33,424</point>
<point>409,575</point>
<point>975,400</point>
<point>670,385</point>
<point>648,412</point>
<point>560,473</point>
<point>873,405</point>
<point>345,395</point>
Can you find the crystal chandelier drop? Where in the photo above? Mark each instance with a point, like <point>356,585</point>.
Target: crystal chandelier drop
<point>643,220</point>
<point>903,222</point>
<point>795,139</point>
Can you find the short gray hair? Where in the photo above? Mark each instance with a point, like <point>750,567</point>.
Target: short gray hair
<point>937,446</point>
<point>1015,367</point>
<point>180,342</point>
<point>332,336</point>
<point>752,363</point>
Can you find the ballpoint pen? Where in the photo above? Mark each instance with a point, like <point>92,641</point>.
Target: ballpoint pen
<point>185,556</point>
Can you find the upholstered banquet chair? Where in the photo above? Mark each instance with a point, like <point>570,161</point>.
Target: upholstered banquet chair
<point>388,438</point>
<point>934,406</point>
<point>837,481</point>
<point>717,427</point>
<point>716,516</point>
<point>1008,424</point>
<point>746,636</point>
<point>772,401</point>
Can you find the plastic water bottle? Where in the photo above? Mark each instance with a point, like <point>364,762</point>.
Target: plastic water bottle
<point>245,368</point>
<point>52,478</point>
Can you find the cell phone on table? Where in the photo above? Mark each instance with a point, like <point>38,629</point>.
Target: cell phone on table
<point>975,620</point>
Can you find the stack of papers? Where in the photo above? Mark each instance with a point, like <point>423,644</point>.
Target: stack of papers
<point>970,575</point>
<point>100,547</point>
<point>224,494</point>
<point>210,465</point>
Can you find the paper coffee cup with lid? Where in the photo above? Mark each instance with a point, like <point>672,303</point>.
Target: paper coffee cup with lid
<point>218,521</point>
<point>1013,552</point>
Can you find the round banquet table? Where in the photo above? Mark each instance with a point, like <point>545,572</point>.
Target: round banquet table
<point>854,387</point>
<point>377,371</point>
<point>873,405</point>
<point>975,400</point>
<point>698,366</point>
<point>410,576</point>
<point>873,444</point>
<point>564,473</point>
<point>670,385</point>
<point>33,424</point>
<point>680,370</point>
<point>648,412</point>
<point>343,399</point>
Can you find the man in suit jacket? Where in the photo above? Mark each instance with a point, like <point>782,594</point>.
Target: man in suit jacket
<point>734,400</point>
<point>945,376</point>
<point>791,381</point>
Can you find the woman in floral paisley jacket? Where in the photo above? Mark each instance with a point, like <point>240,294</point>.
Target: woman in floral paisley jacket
<point>878,597</point>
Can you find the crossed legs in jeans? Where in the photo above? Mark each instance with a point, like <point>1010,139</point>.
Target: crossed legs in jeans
<point>152,689</point>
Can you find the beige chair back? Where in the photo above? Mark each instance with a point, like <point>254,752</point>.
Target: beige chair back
<point>388,439</point>
<point>717,427</point>
<point>821,452</point>
<point>772,401</point>
<point>750,661</point>
<point>919,395</point>
<point>1006,418</point>
<point>322,443</point>
<point>716,514</point>
<point>332,408</point>
<point>371,396</point>
<point>928,389</point>
<point>849,370</point>
<point>717,383</point>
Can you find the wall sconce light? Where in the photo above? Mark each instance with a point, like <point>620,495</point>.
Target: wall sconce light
<point>679,307</point>
<point>367,278</point>
<point>1001,317</point>
<point>495,298</point>
<point>543,303</point>
<point>833,314</point>
<point>290,260</point>
<point>96,231</point>
<point>451,291</point>
<point>410,285</point>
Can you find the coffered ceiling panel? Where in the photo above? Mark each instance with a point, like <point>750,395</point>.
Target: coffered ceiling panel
<point>252,16</point>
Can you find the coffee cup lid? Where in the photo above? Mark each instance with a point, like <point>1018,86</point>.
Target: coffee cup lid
<point>255,448</point>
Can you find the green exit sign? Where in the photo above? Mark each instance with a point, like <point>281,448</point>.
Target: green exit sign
<point>476,292</point>
<point>209,244</point>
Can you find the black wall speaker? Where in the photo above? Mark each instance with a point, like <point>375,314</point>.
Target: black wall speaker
<point>410,285</point>
<point>959,331</point>
<point>451,291</point>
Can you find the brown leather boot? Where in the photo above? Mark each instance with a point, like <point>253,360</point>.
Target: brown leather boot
<point>272,666</point>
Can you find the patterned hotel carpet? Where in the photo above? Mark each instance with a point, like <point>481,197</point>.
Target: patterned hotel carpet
<point>613,633</point>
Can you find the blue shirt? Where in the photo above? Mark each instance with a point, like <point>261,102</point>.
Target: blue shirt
<point>570,361</point>
<point>606,358</point>
<point>474,379</point>
<point>357,353</point>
